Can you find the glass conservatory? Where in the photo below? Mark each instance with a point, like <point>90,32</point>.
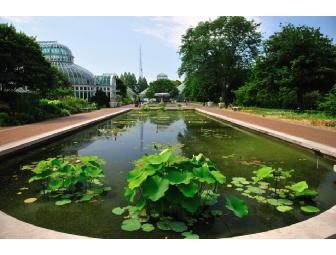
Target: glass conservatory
<point>84,83</point>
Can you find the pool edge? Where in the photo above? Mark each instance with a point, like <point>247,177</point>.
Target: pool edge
<point>324,149</point>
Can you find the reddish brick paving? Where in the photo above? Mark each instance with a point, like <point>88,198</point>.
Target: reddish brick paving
<point>311,133</point>
<point>15,133</point>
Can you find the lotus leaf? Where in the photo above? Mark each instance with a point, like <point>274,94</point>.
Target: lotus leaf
<point>147,227</point>
<point>255,190</point>
<point>216,213</point>
<point>188,190</point>
<point>190,235</point>
<point>220,178</point>
<point>299,187</point>
<point>284,208</point>
<point>87,197</point>
<point>237,206</point>
<point>163,225</point>
<point>309,209</point>
<point>30,200</point>
<point>177,177</point>
<point>118,211</point>
<point>204,175</point>
<point>131,225</point>
<point>178,226</point>
<point>155,187</point>
<point>308,193</point>
<point>63,202</point>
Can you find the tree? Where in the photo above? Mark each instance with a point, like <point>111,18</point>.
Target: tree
<point>142,85</point>
<point>298,62</point>
<point>22,63</point>
<point>129,80</point>
<point>162,86</point>
<point>177,83</point>
<point>217,56</point>
<point>121,87</point>
<point>329,103</point>
<point>100,98</point>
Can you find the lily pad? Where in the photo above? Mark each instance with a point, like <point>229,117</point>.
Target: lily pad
<point>255,190</point>
<point>118,211</point>
<point>285,201</point>
<point>309,209</point>
<point>163,225</point>
<point>147,227</point>
<point>178,226</point>
<point>284,208</point>
<point>63,202</point>
<point>216,213</point>
<point>190,235</point>
<point>273,202</point>
<point>131,225</point>
<point>30,200</point>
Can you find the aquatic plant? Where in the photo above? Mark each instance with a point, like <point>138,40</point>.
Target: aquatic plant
<point>144,108</point>
<point>70,178</point>
<point>173,192</point>
<point>273,187</point>
<point>162,109</point>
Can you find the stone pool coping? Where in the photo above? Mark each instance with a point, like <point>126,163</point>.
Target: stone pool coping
<point>12,147</point>
<point>320,226</point>
<point>323,148</point>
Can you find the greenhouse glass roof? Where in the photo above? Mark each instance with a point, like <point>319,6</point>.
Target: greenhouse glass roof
<point>61,57</point>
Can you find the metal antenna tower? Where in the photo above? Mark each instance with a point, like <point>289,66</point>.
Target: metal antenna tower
<point>140,64</point>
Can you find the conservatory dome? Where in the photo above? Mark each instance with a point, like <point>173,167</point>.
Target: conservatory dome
<point>62,58</point>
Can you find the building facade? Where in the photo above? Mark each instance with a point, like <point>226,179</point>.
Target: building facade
<point>84,83</point>
<point>162,76</point>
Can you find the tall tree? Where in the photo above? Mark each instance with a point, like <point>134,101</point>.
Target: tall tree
<point>129,80</point>
<point>142,84</point>
<point>217,56</point>
<point>121,87</point>
<point>298,62</point>
<point>22,63</point>
<point>162,86</point>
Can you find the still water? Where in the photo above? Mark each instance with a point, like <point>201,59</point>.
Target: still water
<point>236,151</point>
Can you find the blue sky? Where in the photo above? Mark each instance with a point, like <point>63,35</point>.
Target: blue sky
<point>111,44</point>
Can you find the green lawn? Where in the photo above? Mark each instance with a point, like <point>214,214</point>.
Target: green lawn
<point>316,118</point>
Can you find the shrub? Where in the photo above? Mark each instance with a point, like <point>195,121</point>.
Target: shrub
<point>329,101</point>
<point>3,117</point>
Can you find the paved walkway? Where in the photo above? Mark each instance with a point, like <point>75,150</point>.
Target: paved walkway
<point>15,137</point>
<point>318,135</point>
<point>10,134</point>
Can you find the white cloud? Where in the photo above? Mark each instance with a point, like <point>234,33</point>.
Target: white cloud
<point>17,19</point>
<point>170,29</point>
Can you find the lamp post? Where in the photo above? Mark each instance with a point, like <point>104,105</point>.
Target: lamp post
<point>226,92</point>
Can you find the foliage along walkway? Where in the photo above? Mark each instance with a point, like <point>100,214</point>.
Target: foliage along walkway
<point>15,135</point>
<point>309,133</point>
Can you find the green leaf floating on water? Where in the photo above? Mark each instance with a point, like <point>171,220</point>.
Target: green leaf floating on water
<point>118,211</point>
<point>87,197</point>
<point>237,206</point>
<point>63,202</point>
<point>131,225</point>
<point>284,208</point>
<point>147,227</point>
<point>299,187</point>
<point>190,235</point>
<point>216,213</point>
<point>30,200</point>
<point>255,190</point>
<point>155,187</point>
<point>309,209</point>
<point>178,226</point>
<point>163,225</point>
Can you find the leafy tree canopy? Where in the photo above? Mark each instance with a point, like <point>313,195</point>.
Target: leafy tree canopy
<point>162,86</point>
<point>121,87</point>
<point>22,63</point>
<point>142,84</point>
<point>298,64</point>
<point>218,53</point>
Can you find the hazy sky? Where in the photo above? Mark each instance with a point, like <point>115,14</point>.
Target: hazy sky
<point>111,44</point>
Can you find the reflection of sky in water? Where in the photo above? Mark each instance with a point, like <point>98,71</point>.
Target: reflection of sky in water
<point>236,151</point>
